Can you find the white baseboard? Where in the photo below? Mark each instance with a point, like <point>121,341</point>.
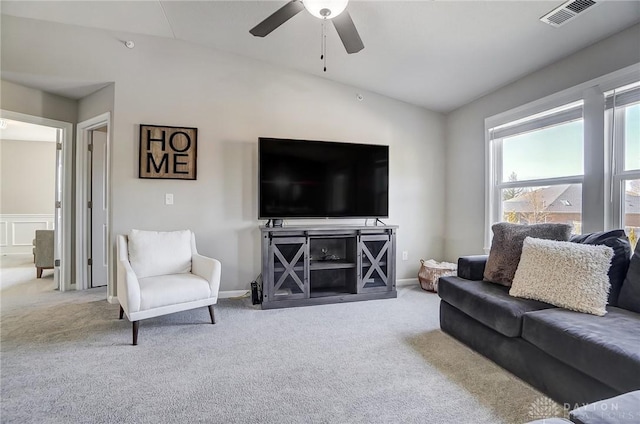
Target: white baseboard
<point>227,294</point>
<point>232,293</point>
<point>403,282</point>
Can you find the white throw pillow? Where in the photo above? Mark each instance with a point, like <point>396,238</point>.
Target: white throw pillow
<point>565,274</point>
<point>154,253</point>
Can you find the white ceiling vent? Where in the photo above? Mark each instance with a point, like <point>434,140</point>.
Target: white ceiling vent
<point>568,11</point>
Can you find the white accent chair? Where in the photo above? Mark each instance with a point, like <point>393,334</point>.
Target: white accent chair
<point>161,273</point>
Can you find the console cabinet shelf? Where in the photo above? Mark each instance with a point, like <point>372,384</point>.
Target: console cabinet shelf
<point>310,265</point>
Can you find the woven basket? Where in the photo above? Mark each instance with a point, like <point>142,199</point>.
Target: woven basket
<point>431,271</point>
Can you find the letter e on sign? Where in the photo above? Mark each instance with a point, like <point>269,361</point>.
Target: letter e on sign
<point>168,152</point>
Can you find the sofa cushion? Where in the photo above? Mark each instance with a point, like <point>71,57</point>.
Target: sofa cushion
<point>565,274</point>
<point>164,290</point>
<point>488,303</point>
<point>606,348</point>
<point>619,242</point>
<point>154,253</point>
<point>472,267</point>
<point>630,293</point>
<point>506,247</point>
<point>616,410</point>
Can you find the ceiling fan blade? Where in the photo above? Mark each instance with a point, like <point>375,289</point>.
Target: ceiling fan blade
<point>279,17</point>
<point>348,32</point>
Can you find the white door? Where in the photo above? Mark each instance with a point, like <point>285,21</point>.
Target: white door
<point>98,210</point>
<point>57,215</point>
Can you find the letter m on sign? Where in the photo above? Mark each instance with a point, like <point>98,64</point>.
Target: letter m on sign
<point>168,152</point>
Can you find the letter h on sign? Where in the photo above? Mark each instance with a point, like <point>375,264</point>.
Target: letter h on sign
<point>168,152</point>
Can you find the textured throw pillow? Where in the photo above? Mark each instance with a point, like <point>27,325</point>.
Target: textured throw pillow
<point>630,293</point>
<point>507,246</point>
<point>154,253</point>
<point>569,275</point>
<point>619,242</point>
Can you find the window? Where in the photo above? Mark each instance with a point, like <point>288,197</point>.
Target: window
<point>538,168</point>
<point>573,157</point>
<point>623,132</point>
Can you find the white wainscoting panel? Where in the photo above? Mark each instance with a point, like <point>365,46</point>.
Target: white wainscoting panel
<point>18,231</point>
<point>3,233</point>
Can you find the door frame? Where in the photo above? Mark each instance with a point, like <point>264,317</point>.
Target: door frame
<point>83,181</point>
<point>62,235</point>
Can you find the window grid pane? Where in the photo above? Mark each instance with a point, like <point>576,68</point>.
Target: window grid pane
<point>631,212</point>
<point>552,152</point>
<point>632,137</point>
<point>532,205</point>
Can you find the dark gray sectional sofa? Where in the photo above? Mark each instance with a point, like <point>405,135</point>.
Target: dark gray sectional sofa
<point>574,358</point>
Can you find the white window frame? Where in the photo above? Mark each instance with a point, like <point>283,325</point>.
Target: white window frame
<point>596,181</point>
<point>616,136</point>
<point>496,146</point>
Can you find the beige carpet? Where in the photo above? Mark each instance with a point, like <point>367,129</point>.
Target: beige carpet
<point>65,357</point>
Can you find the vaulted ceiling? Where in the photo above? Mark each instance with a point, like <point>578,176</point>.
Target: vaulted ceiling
<point>436,54</point>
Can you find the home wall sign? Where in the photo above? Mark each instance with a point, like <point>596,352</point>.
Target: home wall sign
<point>168,152</point>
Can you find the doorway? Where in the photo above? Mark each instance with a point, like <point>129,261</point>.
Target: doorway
<point>62,203</point>
<point>92,200</point>
<point>98,207</point>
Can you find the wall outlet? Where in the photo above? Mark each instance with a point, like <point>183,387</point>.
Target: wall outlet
<point>168,199</point>
<point>405,255</point>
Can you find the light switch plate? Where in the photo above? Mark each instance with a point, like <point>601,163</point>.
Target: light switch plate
<point>168,199</point>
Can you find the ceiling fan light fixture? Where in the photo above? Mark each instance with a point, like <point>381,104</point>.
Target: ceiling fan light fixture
<point>325,9</point>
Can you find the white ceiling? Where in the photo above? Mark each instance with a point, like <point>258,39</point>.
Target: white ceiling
<point>436,54</point>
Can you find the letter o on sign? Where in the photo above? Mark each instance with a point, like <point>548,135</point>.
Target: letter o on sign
<point>172,142</point>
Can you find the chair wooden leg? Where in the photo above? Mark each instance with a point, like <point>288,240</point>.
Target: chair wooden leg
<point>135,332</point>
<point>212,315</point>
<point>121,312</point>
<point>39,272</point>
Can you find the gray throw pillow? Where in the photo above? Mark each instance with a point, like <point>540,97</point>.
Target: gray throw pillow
<point>506,247</point>
<point>630,293</point>
<point>619,242</point>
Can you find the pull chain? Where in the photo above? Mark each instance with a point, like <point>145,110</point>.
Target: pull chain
<point>322,41</point>
<point>323,55</point>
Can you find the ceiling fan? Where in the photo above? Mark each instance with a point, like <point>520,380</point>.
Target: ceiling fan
<point>333,10</point>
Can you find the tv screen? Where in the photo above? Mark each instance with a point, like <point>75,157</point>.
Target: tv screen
<point>320,179</point>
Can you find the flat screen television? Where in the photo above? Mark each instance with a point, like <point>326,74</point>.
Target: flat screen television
<point>321,179</point>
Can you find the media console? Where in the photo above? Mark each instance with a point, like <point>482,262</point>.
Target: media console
<point>311,265</point>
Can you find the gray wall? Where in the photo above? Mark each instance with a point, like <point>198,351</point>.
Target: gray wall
<point>465,142</point>
<point>30,101</point>
<point>27,176</point>
<point>233,101</point>
<point>96,103</point>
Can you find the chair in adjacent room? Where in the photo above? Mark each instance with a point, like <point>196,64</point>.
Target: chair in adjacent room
<point>43,251</point>
<point>161,273</point>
